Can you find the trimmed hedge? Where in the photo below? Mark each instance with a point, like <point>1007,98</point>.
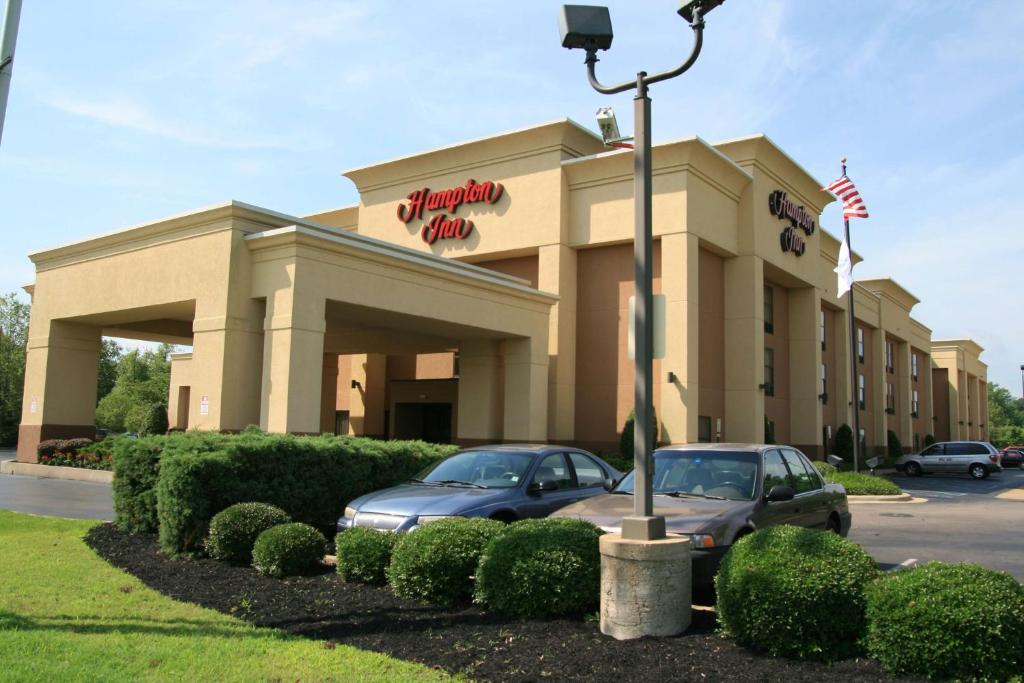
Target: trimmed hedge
<point>288,550</point>
<point>857,484</point>
<point>957,621</point>
<point>795,592</point>
<point>825,469</point>
<point>436,562</point>
<point>311,478</point>
<point>364,554</point>
<point>541,568</point>
<point>234,530</point>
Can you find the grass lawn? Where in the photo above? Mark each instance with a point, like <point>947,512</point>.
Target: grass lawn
<point>67,615</point>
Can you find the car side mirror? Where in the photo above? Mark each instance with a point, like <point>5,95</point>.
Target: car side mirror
<point>609,483</point>
<point>780,494</point>
<point>546,485</point>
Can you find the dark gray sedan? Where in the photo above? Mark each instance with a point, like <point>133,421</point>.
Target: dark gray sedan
<point>716,493</point>
<point>506,482</point>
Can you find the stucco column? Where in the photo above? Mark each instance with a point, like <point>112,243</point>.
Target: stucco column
<point>61,373</point>
<point>526,389</point>
<point>293,350</point>
<point>480,391</point>
<point>905,396</point>
<point>963,414</point>
<point>226,371</point>
<point>744,348</point>
<point>804,370</point>
<point>556,272</point>
<point>680,283</point>
<point>928,398</point>
<point>881,423</point>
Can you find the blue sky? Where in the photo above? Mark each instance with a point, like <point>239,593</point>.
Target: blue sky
<point>124,112</point>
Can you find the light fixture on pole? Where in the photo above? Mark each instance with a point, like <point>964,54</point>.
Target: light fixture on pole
<point>590,28</point>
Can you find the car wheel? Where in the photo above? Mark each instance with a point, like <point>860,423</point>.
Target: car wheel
<point>833,525</point>
<point>912,469</point>
<point>977,471</point>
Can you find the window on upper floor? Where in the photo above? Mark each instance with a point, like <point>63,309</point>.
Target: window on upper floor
<point>769,372</point>
<point>860,344</point>
<point>861,392</point>
<point>913,366</point>
<point>821,330</point>
<point>769,309</point>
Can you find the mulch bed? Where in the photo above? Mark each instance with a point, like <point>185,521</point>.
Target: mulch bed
<point>482,646</point>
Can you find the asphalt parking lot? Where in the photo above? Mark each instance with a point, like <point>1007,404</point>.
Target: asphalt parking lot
<point>962,520</point>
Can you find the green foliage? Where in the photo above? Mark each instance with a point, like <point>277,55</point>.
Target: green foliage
<point>860,484</point>
<point>1006,417</point>
<point>311,478</point>
<point>110,356</point>
<point>957,621</point>
<point>844,443</point>
<point>541,568</point>
<point>143,381</point>
<point>825,469</point>
<point>14,317</point>
<point>436,562</point>
<point>894,449</point>
<point>364,554</point>
<point>627,436</point>
<point>234,530</point>
<point>929,439</point>
<point>795,592</point>
<point>288,550</point>
<point>82,453</point>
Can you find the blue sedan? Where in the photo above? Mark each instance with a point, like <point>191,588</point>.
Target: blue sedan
<point>500,482</point>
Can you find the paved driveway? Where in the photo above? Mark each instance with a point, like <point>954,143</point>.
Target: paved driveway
<point>963,521</point>
<point>56,497</point>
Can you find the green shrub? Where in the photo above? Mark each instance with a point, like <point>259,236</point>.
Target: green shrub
<point>795,592</point>
<point>825,469</point>
<point>147,418</point>
<point>957,621</point>
<point>844,443</point>
<point>859,484</point>
<point>288,550</point>
<point>627,436</point>
<point>436,562</point>
<point>234,530</point>
<point>364,554</point>
<point>310,478</point>
<point>894,449</point>
<point>929,440</point>
<point>541,568</point>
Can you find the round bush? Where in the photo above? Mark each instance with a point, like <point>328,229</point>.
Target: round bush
<point>234,530</point>
<point>958,621</point>
<point>288,550</point>
<point>436,562</point>
<point>541,568</point>
<point>364,554</point>
<point>795,592</point>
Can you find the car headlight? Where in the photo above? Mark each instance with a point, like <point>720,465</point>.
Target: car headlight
<point>701,541</point>
<point>427,519</point>
<point>350,513</point>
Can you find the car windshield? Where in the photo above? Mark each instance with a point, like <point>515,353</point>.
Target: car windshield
<point>478,469</point>
<point>701,473</point>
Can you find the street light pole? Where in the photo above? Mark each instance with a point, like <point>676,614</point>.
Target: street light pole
<point>594,33</point>
<point>1022,382</point>
<point>7,42</point>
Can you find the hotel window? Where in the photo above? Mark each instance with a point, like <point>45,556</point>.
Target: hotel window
<point>890,365</point>
<point>890,399</point>
<point>769,372</point>
<point>860,344</point>
<point>703,429</point>
<point>861,393</point>
<point>915,405</point>
<point>769,309</point>
<point>913,366</point>
<point>824,383</point>
<point>821,326</point>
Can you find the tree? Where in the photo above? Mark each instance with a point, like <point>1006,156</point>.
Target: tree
<point>110,355</point>
<point>844,443</point>
<point>626,440</point>
<point>1005,417</point>
<point>894,447</point>
<point>138,400</point>
<point>14,317</point>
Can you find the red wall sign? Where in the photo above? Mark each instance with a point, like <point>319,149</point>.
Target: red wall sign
<point>440,225</point>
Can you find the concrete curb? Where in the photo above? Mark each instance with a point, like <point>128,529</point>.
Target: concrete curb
<point>900,498</point>
<point>26,469</point>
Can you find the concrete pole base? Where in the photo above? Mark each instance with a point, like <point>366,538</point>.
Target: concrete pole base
<point>645,586</point>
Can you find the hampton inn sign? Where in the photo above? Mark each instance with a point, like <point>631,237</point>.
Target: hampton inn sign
<point>782,206</point>
<point>440,225</point>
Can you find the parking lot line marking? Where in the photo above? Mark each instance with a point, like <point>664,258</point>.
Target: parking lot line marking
<point>1012,494</point>
<point>936,494</point>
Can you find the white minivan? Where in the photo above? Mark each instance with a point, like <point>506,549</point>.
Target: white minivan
<point>976,458</point>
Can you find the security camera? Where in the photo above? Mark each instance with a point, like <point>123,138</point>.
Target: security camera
<point>608,125</point>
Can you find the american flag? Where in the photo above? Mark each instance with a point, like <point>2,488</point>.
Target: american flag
<point>853,205</point>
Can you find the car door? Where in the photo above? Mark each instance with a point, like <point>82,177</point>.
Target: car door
<point>954,457</point>
<point>813,509</point>
<point>553,467</point>
<point>929,457</point>
<point>775,473</point>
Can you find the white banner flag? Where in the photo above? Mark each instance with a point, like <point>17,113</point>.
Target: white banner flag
<point>844,270</point>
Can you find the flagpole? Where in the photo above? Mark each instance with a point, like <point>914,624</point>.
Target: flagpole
<point>854,386</point>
